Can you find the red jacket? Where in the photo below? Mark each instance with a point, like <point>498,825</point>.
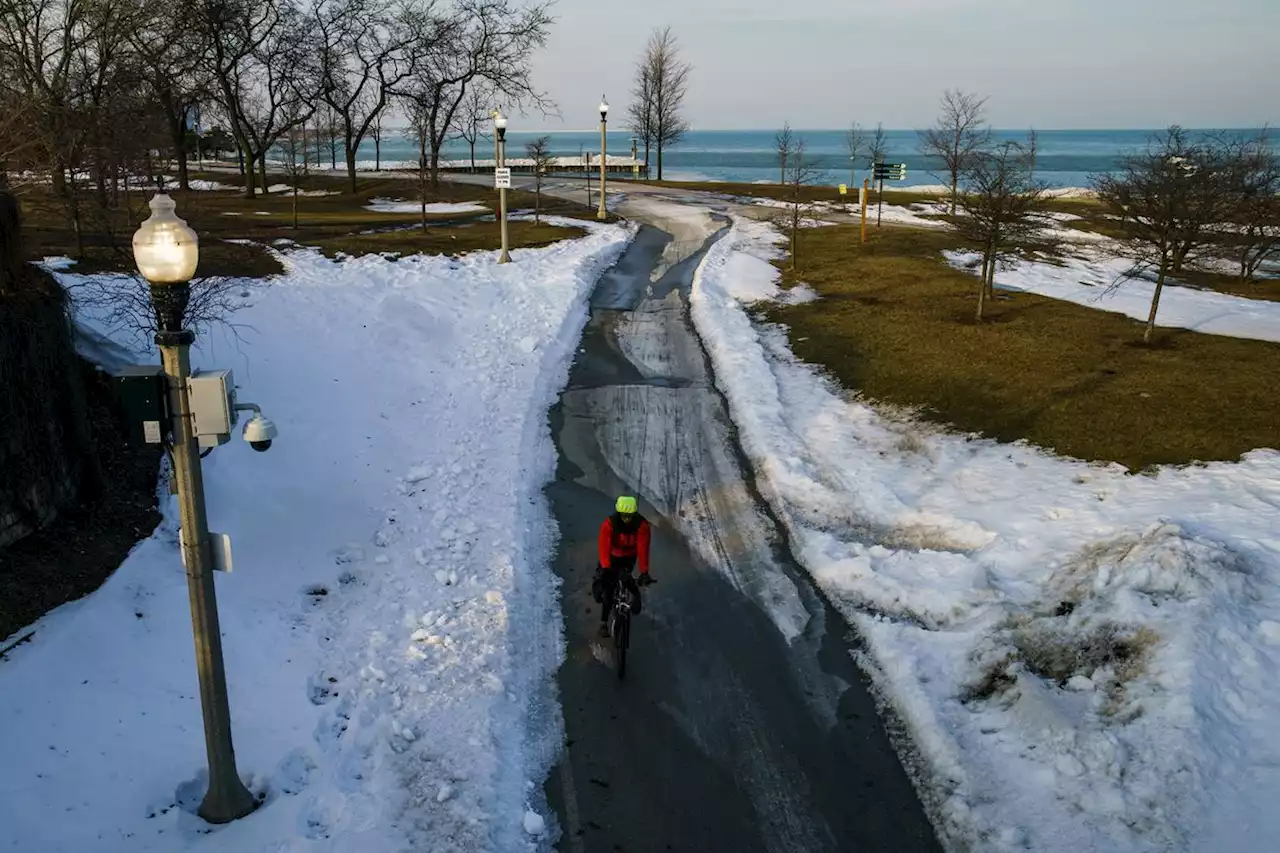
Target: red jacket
<point>616,541</point>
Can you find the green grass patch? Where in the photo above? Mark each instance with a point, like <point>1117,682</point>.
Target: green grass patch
<point>896,323</point>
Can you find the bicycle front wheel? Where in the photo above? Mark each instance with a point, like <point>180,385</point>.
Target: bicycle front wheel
<point>621,639</point>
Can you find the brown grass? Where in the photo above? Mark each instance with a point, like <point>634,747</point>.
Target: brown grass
<point>336,223</point>
<point>895,322</point>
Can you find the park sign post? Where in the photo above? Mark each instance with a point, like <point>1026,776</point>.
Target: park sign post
<point>886,172</point>
<point>502,178</point>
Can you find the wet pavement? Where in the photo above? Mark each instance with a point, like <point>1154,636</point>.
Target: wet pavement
<point>743,723</point>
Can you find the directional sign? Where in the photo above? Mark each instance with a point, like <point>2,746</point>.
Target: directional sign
<point>890,171</point>
<point>844,189</point>
<point>502,179</point>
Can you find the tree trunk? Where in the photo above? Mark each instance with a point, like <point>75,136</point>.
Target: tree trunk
<point>1155,301</point>
<point>537,200</point>
<point>422,181</point>
<point>177,130</point>
<point>955,183</point>
<point>1180,258</point>
<point>435,168</point>
<point>473,155</point>
<point>295,202</point>
<point>377,153</point>
<point>262,168</point>
<point>794,229</point>
<point>659,160</point>
<point>351,169</point>
<point>646,159</point>
<point>982,289</point>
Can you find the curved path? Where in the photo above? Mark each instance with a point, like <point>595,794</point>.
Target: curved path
<point>743,724</point>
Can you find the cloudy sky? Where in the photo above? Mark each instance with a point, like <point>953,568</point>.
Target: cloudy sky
<point>822,63</point>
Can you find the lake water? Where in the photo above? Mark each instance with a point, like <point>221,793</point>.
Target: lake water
<point>1066,158</point>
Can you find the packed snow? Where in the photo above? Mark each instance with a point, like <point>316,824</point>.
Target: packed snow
<point>393,205</point>
<point>287,189</point>
<point>391,627</point>
<point>1086,278</point>
<point>1084,659</point>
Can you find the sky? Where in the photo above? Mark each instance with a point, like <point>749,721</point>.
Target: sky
<point>825,63</point>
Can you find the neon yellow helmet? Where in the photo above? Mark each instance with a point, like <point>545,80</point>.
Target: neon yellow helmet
<point>627,505</point>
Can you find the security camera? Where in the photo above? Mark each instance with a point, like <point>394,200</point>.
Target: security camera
<point>260,432</point>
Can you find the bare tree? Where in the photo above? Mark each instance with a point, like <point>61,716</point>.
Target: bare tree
<point>783,142</point>
<point>292,152</point>
<point>1253,233</point>
<point>173,57</point>
<point>375,133</point>
<point>878,146</point>
<point>855,140</point>
<point>539,151</point>
<point>474,113</point>
<point>366,49</point>
<point>1174,194</point>
<point>1001,209</point>
<point>1033,149</point>
<point>262,60</point>
<point>640,112</point>
<point>668,81</point>
<point>419,132</point>
<point>801,173</point>
<point>958,135</point>
<point>481,42</point>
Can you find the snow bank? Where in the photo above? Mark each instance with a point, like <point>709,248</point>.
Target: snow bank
<point>286,189</point>
<point>942,189</point>
<point>1084,659</point>
<point>1085,280</point>
<point>391,627</point>
<point>391,205</point>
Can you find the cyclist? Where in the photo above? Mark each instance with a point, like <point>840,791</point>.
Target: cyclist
<point>623,541</point>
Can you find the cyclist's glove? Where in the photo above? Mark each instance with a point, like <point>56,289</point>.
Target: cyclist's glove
<point>646,579</point>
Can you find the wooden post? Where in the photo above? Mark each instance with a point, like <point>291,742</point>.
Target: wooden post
<point>866,191</point>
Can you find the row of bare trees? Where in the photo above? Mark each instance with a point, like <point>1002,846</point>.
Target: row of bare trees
<point>1186,197</point>
<point>93,91</point>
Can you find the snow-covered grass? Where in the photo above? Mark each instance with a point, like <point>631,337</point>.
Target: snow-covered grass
<point>1086,279</point>
<point>392,205</point>
<point>1084,659</point>
<point>391,628</point>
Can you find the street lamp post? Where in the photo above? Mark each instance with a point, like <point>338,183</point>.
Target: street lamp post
<point>167,252</point>
<point>500,129</point>
<point>604,154</point>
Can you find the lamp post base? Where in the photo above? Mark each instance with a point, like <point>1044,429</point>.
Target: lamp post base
<point>226,802</point>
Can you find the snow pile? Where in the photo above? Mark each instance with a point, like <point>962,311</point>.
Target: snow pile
<point>1085,659</point>
<point>200,185</point>
<point>276,189</point>
<point>390,205</point>
<point>391,628</point>
<point>1086,280</point>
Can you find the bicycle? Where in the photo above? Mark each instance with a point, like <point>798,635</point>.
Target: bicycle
<point>620,619</point>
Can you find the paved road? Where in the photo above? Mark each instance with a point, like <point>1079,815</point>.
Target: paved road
<point>743,724</point>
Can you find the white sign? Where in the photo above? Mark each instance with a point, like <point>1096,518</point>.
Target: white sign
<point>502,179</point>
<point>151,432</point>
<point>219,548</point>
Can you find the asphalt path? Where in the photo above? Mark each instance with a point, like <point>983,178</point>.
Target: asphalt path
<point>743,723</point>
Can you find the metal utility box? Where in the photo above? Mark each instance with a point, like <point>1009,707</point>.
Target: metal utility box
<point>143,392</point>
<point>213,405</point>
